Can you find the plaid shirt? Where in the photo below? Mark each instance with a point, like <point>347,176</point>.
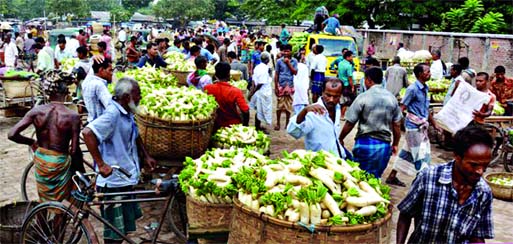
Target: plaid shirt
<point>439,218</point>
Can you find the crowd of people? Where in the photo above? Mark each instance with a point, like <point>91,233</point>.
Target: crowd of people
<point>271,69</point>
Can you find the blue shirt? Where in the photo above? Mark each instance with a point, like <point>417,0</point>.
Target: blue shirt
<point>96,96</point>
<point>439,218</point>
<point>255,58</point>
<point>332,24</point>
<point>117,132</point>
<point>204,52</point>
<point>285,74</point>
<point>416,101</point>
<point>320,132</point>
<point>157,61</point>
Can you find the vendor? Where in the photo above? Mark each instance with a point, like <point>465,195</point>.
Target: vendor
<point>319,123</point>
<point>152,57</point>
<point>229,98</point>
<point>502,87</point>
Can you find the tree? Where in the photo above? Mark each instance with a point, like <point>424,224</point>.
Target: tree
<point>133,5</point>
<point>184,10</point>
<point>61,8</point>
<point>273,11</point>
<point>469,18</point>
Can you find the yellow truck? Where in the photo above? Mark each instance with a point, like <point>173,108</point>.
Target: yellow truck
<point>333,46</point>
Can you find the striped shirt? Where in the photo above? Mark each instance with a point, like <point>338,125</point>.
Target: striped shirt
<point>96,96</point>
<point>439,218</point>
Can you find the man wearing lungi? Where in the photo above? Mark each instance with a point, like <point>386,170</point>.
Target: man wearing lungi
<point>56,125</point>
<point>286,68</point>
<point>379,117</point>
<point>416,152</point>
<point>113,139</point>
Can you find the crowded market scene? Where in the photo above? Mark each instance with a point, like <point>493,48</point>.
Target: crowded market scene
<point>334,122</point>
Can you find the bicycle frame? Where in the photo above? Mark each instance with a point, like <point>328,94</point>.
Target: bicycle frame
<point>84,208</point>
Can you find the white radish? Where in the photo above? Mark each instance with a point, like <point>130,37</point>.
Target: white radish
<point>270,210</point>
<point>304,212</point>
<point>363,201</point>
<point>272,178</point>
<point>351,208</point>
<point>367,211</point>
<point>297,180</point>
<point>294,216</point>
<point>331,204</point>
<point>255,205</point>
<point>326,177</point>
<point>203,199</point>
<point>324,222</point>
<point>371,191</point>
<point>315,214</point>
<point>325,214</point>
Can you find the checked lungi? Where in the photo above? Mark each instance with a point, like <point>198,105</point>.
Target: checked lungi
<point>318,83</point>
<point>372,154</point>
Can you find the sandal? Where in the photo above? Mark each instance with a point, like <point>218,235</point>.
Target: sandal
<point>395,181</point>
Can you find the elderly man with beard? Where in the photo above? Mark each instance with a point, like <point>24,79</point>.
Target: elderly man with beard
<point>113,139</point>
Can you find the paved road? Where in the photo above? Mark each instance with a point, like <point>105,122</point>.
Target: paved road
<point>14,157</point>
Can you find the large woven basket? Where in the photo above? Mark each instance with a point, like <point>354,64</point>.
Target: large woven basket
<point>15,89</point>
<point>208,216</point>
<point>11,220</point>
<point>181,76</point>
<point>175,140</point>
<point>250,227</point>
<point>500,191</point>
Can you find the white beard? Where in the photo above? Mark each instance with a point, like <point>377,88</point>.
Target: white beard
<point>133,107</point>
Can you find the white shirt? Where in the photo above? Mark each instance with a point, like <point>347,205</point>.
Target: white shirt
<point>71,46</point>
<point>261,76</point>
<point>232,47</point>
<point>309,60</point>
<point>49,50</point>
<point>122,36</point>
<point>437,70</point>
<point>10,52</point>
<point>62,54</point>
<point>301,84</point>
<point>319,63</point>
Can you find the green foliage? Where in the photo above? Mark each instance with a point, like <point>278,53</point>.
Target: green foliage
<point>490,23</point>
<point>184,10</point>
<point>60,8</point>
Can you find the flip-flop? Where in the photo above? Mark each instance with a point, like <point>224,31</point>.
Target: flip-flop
<point>395,181</point>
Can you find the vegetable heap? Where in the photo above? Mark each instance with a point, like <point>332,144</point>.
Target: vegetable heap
<point>298,40</point>
<point>498,109</point>
<point>176,61</point>
<point>314,188</point>
<point>209,178</point>
<point>67,64</point>
<point>178,104</point>
<point>149,78</point>
<point>241,84</point>
<point>503,181</point>
<point>240,136</point>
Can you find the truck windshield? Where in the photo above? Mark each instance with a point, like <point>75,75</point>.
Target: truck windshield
<point>333,47</point>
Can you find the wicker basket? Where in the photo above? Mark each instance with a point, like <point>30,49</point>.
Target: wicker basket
<point>208,216</point>
<point>181,76</point>
<point>11,220</point>
<point>500,191</point>
<point>175,140</point>
<point>250,227</point>
<point>15,89</point>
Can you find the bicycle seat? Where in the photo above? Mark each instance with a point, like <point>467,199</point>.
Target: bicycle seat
<point>165,185</point>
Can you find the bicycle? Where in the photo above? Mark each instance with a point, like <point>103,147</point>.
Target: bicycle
<point>56,222</point>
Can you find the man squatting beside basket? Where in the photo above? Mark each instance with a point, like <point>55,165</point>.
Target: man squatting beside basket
<point>451,203</point>
<point>56,125</point>
<point>113,139</point>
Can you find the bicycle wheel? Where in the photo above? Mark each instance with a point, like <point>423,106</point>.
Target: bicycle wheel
<point>507,159</point>
<point>177,216</point>
<point>28,183</point>
<point>52,222</point>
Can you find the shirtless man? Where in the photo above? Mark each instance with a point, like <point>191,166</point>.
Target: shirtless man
<point>56,126</point>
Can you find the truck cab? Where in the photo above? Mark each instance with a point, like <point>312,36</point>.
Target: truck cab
<point>333,46</point>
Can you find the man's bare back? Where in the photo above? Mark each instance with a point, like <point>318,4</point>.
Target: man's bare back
<point>56,125</point>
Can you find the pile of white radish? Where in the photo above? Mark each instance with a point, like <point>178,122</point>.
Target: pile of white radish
<point>209,178</point>
<point>313,188</point>
<point>242,137</point>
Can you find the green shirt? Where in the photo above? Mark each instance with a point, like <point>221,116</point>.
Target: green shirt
<point>284,36</point>
<point>345,70</point>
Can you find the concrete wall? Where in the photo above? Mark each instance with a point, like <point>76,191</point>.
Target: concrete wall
<point>485,51</point>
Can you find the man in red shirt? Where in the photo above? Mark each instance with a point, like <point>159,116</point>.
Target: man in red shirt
<point>82,38</point>
<point>229,98</point>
